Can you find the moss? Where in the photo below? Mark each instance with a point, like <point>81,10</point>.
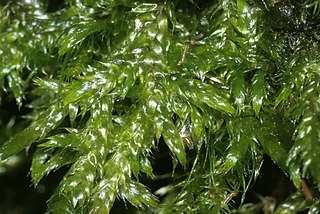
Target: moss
<point>221,85</point>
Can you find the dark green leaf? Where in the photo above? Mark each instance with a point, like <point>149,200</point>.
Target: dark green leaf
<point>283,96</point>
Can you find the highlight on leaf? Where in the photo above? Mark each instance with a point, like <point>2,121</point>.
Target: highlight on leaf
<point>162,106</point>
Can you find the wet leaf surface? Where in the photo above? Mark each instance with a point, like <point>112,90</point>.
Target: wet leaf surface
<point>106,84</point>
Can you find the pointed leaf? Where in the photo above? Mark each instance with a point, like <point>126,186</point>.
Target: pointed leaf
<point>273,147</point>
<point>64,140</point>
<point>60,204</point>
<point>215,101</point>
<point>37,130</point>
<point>43,162</point>
<point>236,153</point>
<point>78,183</point>
<point>238,88</point>
<point>258,91</point>
<point>138,195</point>
<point>198,124</point>
<point>104,196</point>
<point>78,90</point>
<point>73,112</point>
<point>200,92</point>
<point>283,96</point>
<point>173,140</point>
<point>306,146</point>
<point>78,33</point>
<point>146,166</point>
<point>16,84</point>
<point>50,85</point>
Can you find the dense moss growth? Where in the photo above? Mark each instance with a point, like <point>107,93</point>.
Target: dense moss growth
<point>108,88</point>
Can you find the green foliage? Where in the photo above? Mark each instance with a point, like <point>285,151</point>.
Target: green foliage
<point>221,83</point>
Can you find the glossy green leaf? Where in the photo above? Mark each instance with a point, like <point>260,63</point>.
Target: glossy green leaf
<point>258,91</point>
<point>306,143</point>
<point>197,124</point>
<point>73,112</point>
<point>236,153</point>
<point>50,85</point>
<point>18,143</point>
<point>68,140</point>
<point>122,91</point>
<point>145,8</point>
<point>76,185</point>
<point>238,88</point>
<point>103,199</point>
<point>295,173</point>
<point>16,84</point>
<point>245,20</point>
<point>37,130</point>
<point>146,166</point>
<point>138,195</point>
<point>78,33</point>
<point>295,203</point>
<point>174,141</point>
<point>199,92</point>
<point>242,138</point>
<point>272,146</point>
<point>277,146</point>
<point>44,162</point>
<point>105,192</point>
<point>283,96</point>
<point>78,90</point>
<point>60,204</point>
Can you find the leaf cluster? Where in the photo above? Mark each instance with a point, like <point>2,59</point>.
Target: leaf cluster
<point>221,84</point>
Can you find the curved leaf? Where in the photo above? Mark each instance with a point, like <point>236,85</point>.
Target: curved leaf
<point>258,91</point>
<point>173,140</point>
<point>49,120</point>
<point>238,88</point>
